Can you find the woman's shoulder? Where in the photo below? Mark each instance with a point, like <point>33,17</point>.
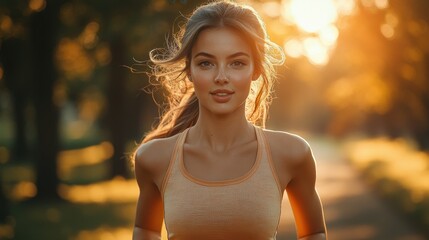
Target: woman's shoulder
<point>287,146</point>
<point>154,155</point>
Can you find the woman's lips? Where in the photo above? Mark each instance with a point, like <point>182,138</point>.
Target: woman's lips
<point>221,95</point>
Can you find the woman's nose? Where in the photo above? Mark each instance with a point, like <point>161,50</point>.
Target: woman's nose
<point>221,77</point>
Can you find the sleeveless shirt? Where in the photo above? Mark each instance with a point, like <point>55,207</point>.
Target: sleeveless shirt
<point>247,207</point>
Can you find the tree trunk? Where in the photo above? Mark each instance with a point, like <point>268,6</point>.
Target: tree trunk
<point>12,58</point>
<point>43,32</point>
<point>4,205</point>
<point>422,135</point>
<point>117,109</point>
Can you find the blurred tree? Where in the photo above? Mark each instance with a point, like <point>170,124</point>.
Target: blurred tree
<point>12,52</point>
<point>121,120</point>
<point>118,119</point>
<point>36,21</point>
<point>44,29</point>
<point>4,206</point>
<point>378,72</point>
<point>13,49</point>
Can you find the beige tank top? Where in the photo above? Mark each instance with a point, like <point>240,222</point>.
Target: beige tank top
<point>247,207</point>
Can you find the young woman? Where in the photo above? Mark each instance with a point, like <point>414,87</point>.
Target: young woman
<point>209,169</point>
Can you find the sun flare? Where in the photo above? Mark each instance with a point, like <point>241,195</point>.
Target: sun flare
<point>316,19</point>
<point>310,15</point>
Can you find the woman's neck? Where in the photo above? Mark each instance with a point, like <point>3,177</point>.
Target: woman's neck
<point>220,133</point>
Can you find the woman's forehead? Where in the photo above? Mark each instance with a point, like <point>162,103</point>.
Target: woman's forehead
<point>223,41</point>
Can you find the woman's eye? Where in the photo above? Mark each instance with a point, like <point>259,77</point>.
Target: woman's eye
<point>204,64</point>
<point>238,64</point>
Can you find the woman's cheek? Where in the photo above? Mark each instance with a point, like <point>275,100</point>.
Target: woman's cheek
<point>243,78</point>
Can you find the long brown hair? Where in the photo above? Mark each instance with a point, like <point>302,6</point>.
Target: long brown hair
<point>171,64</point>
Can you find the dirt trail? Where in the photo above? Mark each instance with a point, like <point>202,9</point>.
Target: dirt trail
<point>352,210</point>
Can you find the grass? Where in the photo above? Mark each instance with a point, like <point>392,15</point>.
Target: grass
<point>92,208</point>
<point>67,220</point>
<point>102,210</point>
<point>398,171</point>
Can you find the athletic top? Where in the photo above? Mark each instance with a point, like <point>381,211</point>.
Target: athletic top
<point>247,207</point>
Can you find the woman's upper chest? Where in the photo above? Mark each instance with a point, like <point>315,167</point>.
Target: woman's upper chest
<point>209,165</point>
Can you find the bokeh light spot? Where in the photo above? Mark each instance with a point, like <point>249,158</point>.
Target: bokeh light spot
<point>312,16</point>
<point>387,30</point>
<point>37,5</point>
<point>271,9</point>
<point>329,35</point>
<point>381,4</point>
<point>23,190</point>
<point>294,48</point>
<point>6,24</point>
<point>117,190</point>
<point>345,7</point>
<point>315,51</point>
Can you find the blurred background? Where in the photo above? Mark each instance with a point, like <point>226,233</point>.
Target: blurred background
<point>355,84</point>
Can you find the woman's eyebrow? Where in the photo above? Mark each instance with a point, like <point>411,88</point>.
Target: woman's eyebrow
<point>237,54</point>
<point>204,54</point>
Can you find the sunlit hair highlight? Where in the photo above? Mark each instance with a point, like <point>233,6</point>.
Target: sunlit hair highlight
<point>170,66</point>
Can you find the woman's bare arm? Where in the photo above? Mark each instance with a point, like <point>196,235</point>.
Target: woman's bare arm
<point>142,234</point>
<point>304,199</point>
<point>149,211</point>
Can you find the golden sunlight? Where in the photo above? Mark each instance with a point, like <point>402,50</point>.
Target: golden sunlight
<point>388,28</point>
<point>117,190</point>
<point>399,160</point>
<point>272,8</point>
<point>23,190</point>
<point>294,48</point>
<point>316,51</point>
<point>105,233</point>
<point>345,7</point>
<point>329,35</point>
<point>366,92</point>
<point>69,159</point>
<point>317,21</point>
<point>73,60</point>
<point>88,37</point>
<point>381,4</point>
<point>309,15</point>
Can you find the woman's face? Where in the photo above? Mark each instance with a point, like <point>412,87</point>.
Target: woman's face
<point>221,69</point>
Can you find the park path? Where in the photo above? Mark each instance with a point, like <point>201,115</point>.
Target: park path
<point>352,210</point>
